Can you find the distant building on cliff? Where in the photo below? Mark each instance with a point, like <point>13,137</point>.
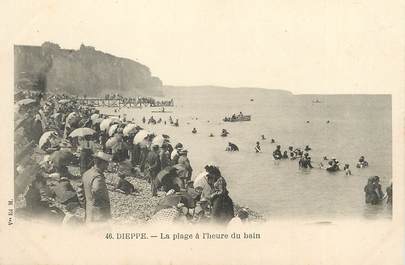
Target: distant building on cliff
<point>84,71</point>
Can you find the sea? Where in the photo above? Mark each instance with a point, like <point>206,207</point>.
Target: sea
<point>359,125</point>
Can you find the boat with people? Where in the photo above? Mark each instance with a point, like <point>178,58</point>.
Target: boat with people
<point>239,117</point>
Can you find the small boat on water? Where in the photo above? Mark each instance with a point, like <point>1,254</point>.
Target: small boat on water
<point>237,118</point>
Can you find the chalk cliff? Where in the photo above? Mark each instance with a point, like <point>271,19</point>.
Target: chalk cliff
<point>86,71</point>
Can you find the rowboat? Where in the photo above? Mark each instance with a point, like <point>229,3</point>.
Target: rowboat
<point>238,118</point>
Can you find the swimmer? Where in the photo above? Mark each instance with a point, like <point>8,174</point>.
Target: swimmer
<point>277,153</point>
<point>232,147</point>
<point>257,148</point>
<point>347,170</point>
<point>362,163</point>
<point>194,130</point>
<point>263,138</point>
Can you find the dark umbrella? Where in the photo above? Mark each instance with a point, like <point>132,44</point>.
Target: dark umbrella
<point>164,173</point>
<point>169,179</point>
<point>62,158</point>
<point>174,199</point>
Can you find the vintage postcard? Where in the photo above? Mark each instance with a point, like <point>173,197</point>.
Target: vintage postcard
<point>202,132</point>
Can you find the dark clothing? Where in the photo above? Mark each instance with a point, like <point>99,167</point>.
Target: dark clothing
<point>33,200</point>
<point>64,192</point>
<point>222,209</point>
<point>371,193</point>
<point>125,186</point>
<point>36,130</point>
<point>85,160</point>
<point>152,168</point>
<point>305,163</point>
<point>277,154</point>
<point>183,161</point>
<point>233,147</point>
<point>164,159</point>
<point>389,194</point>
<point>98,207</point>
<point>120,152</point>
<point>135,154</point>
<point>144,153</point>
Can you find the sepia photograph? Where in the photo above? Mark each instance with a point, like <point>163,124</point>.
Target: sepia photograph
<point>275,129</point>
<point>98,138</point>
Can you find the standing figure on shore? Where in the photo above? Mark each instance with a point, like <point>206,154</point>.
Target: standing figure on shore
<point>174,156</point>
<point>164,156</point>
<point>185,162</point>
<point>98,207</point>
<point>221,204</point>
<point>86,152</point>
<point>152,168</point>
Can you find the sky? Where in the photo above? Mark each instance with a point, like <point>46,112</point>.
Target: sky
<point>313,46</point>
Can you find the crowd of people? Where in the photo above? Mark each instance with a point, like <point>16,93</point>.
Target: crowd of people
<point>142,101</point>
<point>151,120</point>
<point>55,134</point>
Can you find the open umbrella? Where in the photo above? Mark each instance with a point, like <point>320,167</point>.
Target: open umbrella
<point>131,128</point>
<point>158,140</point>
<point>111,142</point>
<point>71,118</point>
<point>94,116</point>
<point>61,158</point>
<point>96,121</point>
<point>106,123</point>
<point>169,179</point>
<point>81,132</point>
<point>170,170</point>
<point>26,101</point>
<point>45,137</point>
<point>112,129</point>
<point>201,180</point>
<point>140,136</point>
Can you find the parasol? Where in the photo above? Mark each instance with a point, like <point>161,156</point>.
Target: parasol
<point>45,137</point>
<point>112,129</point>
<point>81,132</point>
<point>140,136</point>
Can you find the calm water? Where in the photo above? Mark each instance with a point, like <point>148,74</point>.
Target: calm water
<point>360,125</point>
